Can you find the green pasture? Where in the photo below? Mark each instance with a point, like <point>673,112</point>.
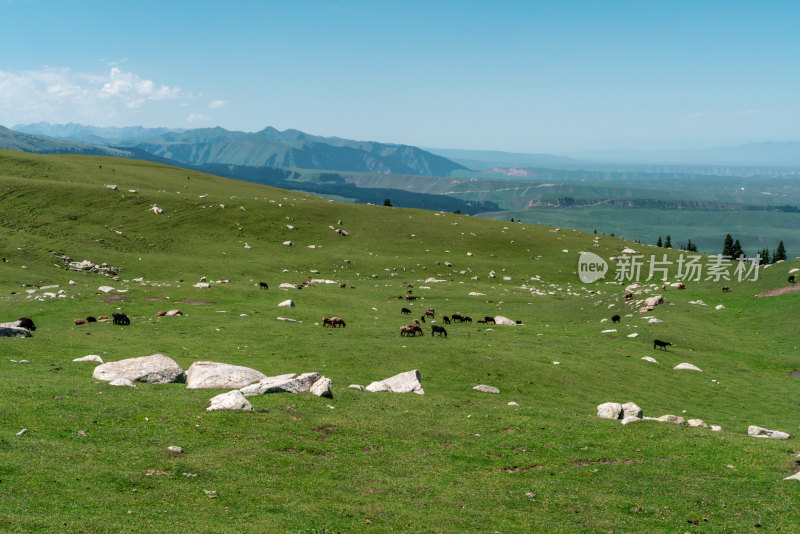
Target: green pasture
<point>96,458</point>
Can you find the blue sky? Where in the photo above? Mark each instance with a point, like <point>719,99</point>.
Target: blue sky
<point>527,76</point>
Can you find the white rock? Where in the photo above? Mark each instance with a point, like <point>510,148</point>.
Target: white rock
<point>653,301</point>
<point>105,289</point>
<point>322,387</point>
<point>654,320</point>
<point>288,383</point>
<point>609,410</point>
<point>175,449</point>
<point>672,419</point>
<point>609,331</point>
<point>287,243</point>
<point>630,419</point>
<point>630,409</point>
<point>232,400</point>
<point>649,359</point>
<point>408,382</point>
<point>289,320</point>
<point>476,294</point>
<point>122,382</point>
<point>486,389</point>
<point>89,358</point>
<point>716,428</point>
<point>209,375</point>
<point>719,307</point>
<point>202,284</point>
<point>357,386</point>
<point>687,366</point>
<point>286,304</point>
<point>633,335</point>
<point>512,403</point>
<point>287,285</point>
<point>759,432</point>
<point>795,476</point>
<point>22,432</point>
<point>697,422</point>
<point>154,369</point>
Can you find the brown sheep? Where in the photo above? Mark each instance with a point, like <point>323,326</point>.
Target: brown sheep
<point>80,322</point>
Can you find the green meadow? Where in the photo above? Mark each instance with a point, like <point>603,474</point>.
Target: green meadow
<point>96,459</point>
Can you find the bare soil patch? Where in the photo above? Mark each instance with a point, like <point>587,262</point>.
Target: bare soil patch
<point>155,299</point>
<point>115,298</point>
<point>195,302</point>
<point>779,291</point>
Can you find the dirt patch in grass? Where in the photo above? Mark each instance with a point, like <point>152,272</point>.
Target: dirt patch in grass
<point>155,299</point>
<point>195,302</point>
<point>115,298</point>
<point>779,291</point>
<point>794,373</point>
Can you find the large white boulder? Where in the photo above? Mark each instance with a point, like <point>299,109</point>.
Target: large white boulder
<point>288,383</point>
<point>759,432</point>
<point>630,409</point>
<point>203,375</point>
<point>154,369</point>
<point>14,331</point>
<point>504,321</point>
<point>669,418</point>
<point>609,410</point>
<point>486,389</point>
<point>286,304</point>
<point>407,382</point>
<point>232,400</point>
<point>655,300</point>
<point>322,387</point>
<point>687,366</point>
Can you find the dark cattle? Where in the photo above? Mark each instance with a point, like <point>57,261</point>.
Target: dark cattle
<point>662,344</point>
<point>263,285</point>
<point>91,319</point>
<point>457,318</point>
<point>79,322</point>
<point>121,319</point>
<point>24,322</point>
<point>725,289</point>
<point>466,319</point>
<point>615,319</point>
<point>405,311</point>
<point>338,321</point>
<point>446,319</point>
<point>791,279</point>
<point>438,330</point>
<point>489,320</point>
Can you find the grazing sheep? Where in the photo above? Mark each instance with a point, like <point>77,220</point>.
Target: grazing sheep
<point>457,318</point>
<point>79,322</point>
<point>430,312</point>
<point>263,285</point>
<point>422,318</point>
<point>628,295</point>
<point>338,321</point>
<point>662,344</point>
<point>91,319</point>
<point>791,279</point>
<point>726,289</point>
<point>438,329</point>
<point>327,321</point>
<point>446,319</point>
<point>411,330</point>
<point>466,319</point>
<point>121,319</point>
<point>615,319</point>
<point>102,319</point>
<point>405,311</point>
<point>489,320</point>
<point>411,297</point>
<point>161,313</point>
<point>681,285</point>
<point>26,323</point>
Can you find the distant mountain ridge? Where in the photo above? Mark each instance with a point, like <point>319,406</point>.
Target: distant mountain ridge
<point>90,134</point>
<point>267,148</point>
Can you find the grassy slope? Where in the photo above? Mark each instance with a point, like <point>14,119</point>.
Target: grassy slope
<point>451,460</point>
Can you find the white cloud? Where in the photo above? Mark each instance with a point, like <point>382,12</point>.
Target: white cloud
<point>62,95</point>
<point>218,104</point>
<point>195,117</point>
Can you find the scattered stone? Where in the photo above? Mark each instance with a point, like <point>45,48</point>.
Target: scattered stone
<point>630,409</point>
<point>24,361</point>
<point>154,369</point>
<point>232,401</point>
<point>653,301</point>
<point>609,331</point>
<point>122,382</point>
<point>687,366</point>
<point>322,388</point>
<point>654,320</point>
<point>630,419</point>
<point>288,383</point>
<point>357,386</point>
<point>286,304</point>
<point>486,389</point>
<point>672,419</point>
<point>175,449</point>
<point>512,403</point>
<point>213,375</point>
<point>649,359</point>
<point>105,289</point>
<point>719,307</point>
<point>173,313</point>
<point>759,432</point>
<point>89,358</point>
<point>610,410</point>
<point>633,335</point>
<point>476,294</point>
<point>697,422</point>
<point>22,432</point>
<point>14,331</point>
<point>795,476</point>
<point>716,428</point>
<point>289,320</point>
<point>201,284</point>
<point>408,382</point>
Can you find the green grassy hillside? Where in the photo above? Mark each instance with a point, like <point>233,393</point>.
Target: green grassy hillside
<point>95,458</point>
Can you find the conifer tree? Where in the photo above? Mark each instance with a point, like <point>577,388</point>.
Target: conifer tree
<point>727,247</point>
<point>737,250</point>
<point>668,242</point>
<point>780,253</point>
<point>765,257</point>
<point>387,202</point>
<point>658,243</point>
